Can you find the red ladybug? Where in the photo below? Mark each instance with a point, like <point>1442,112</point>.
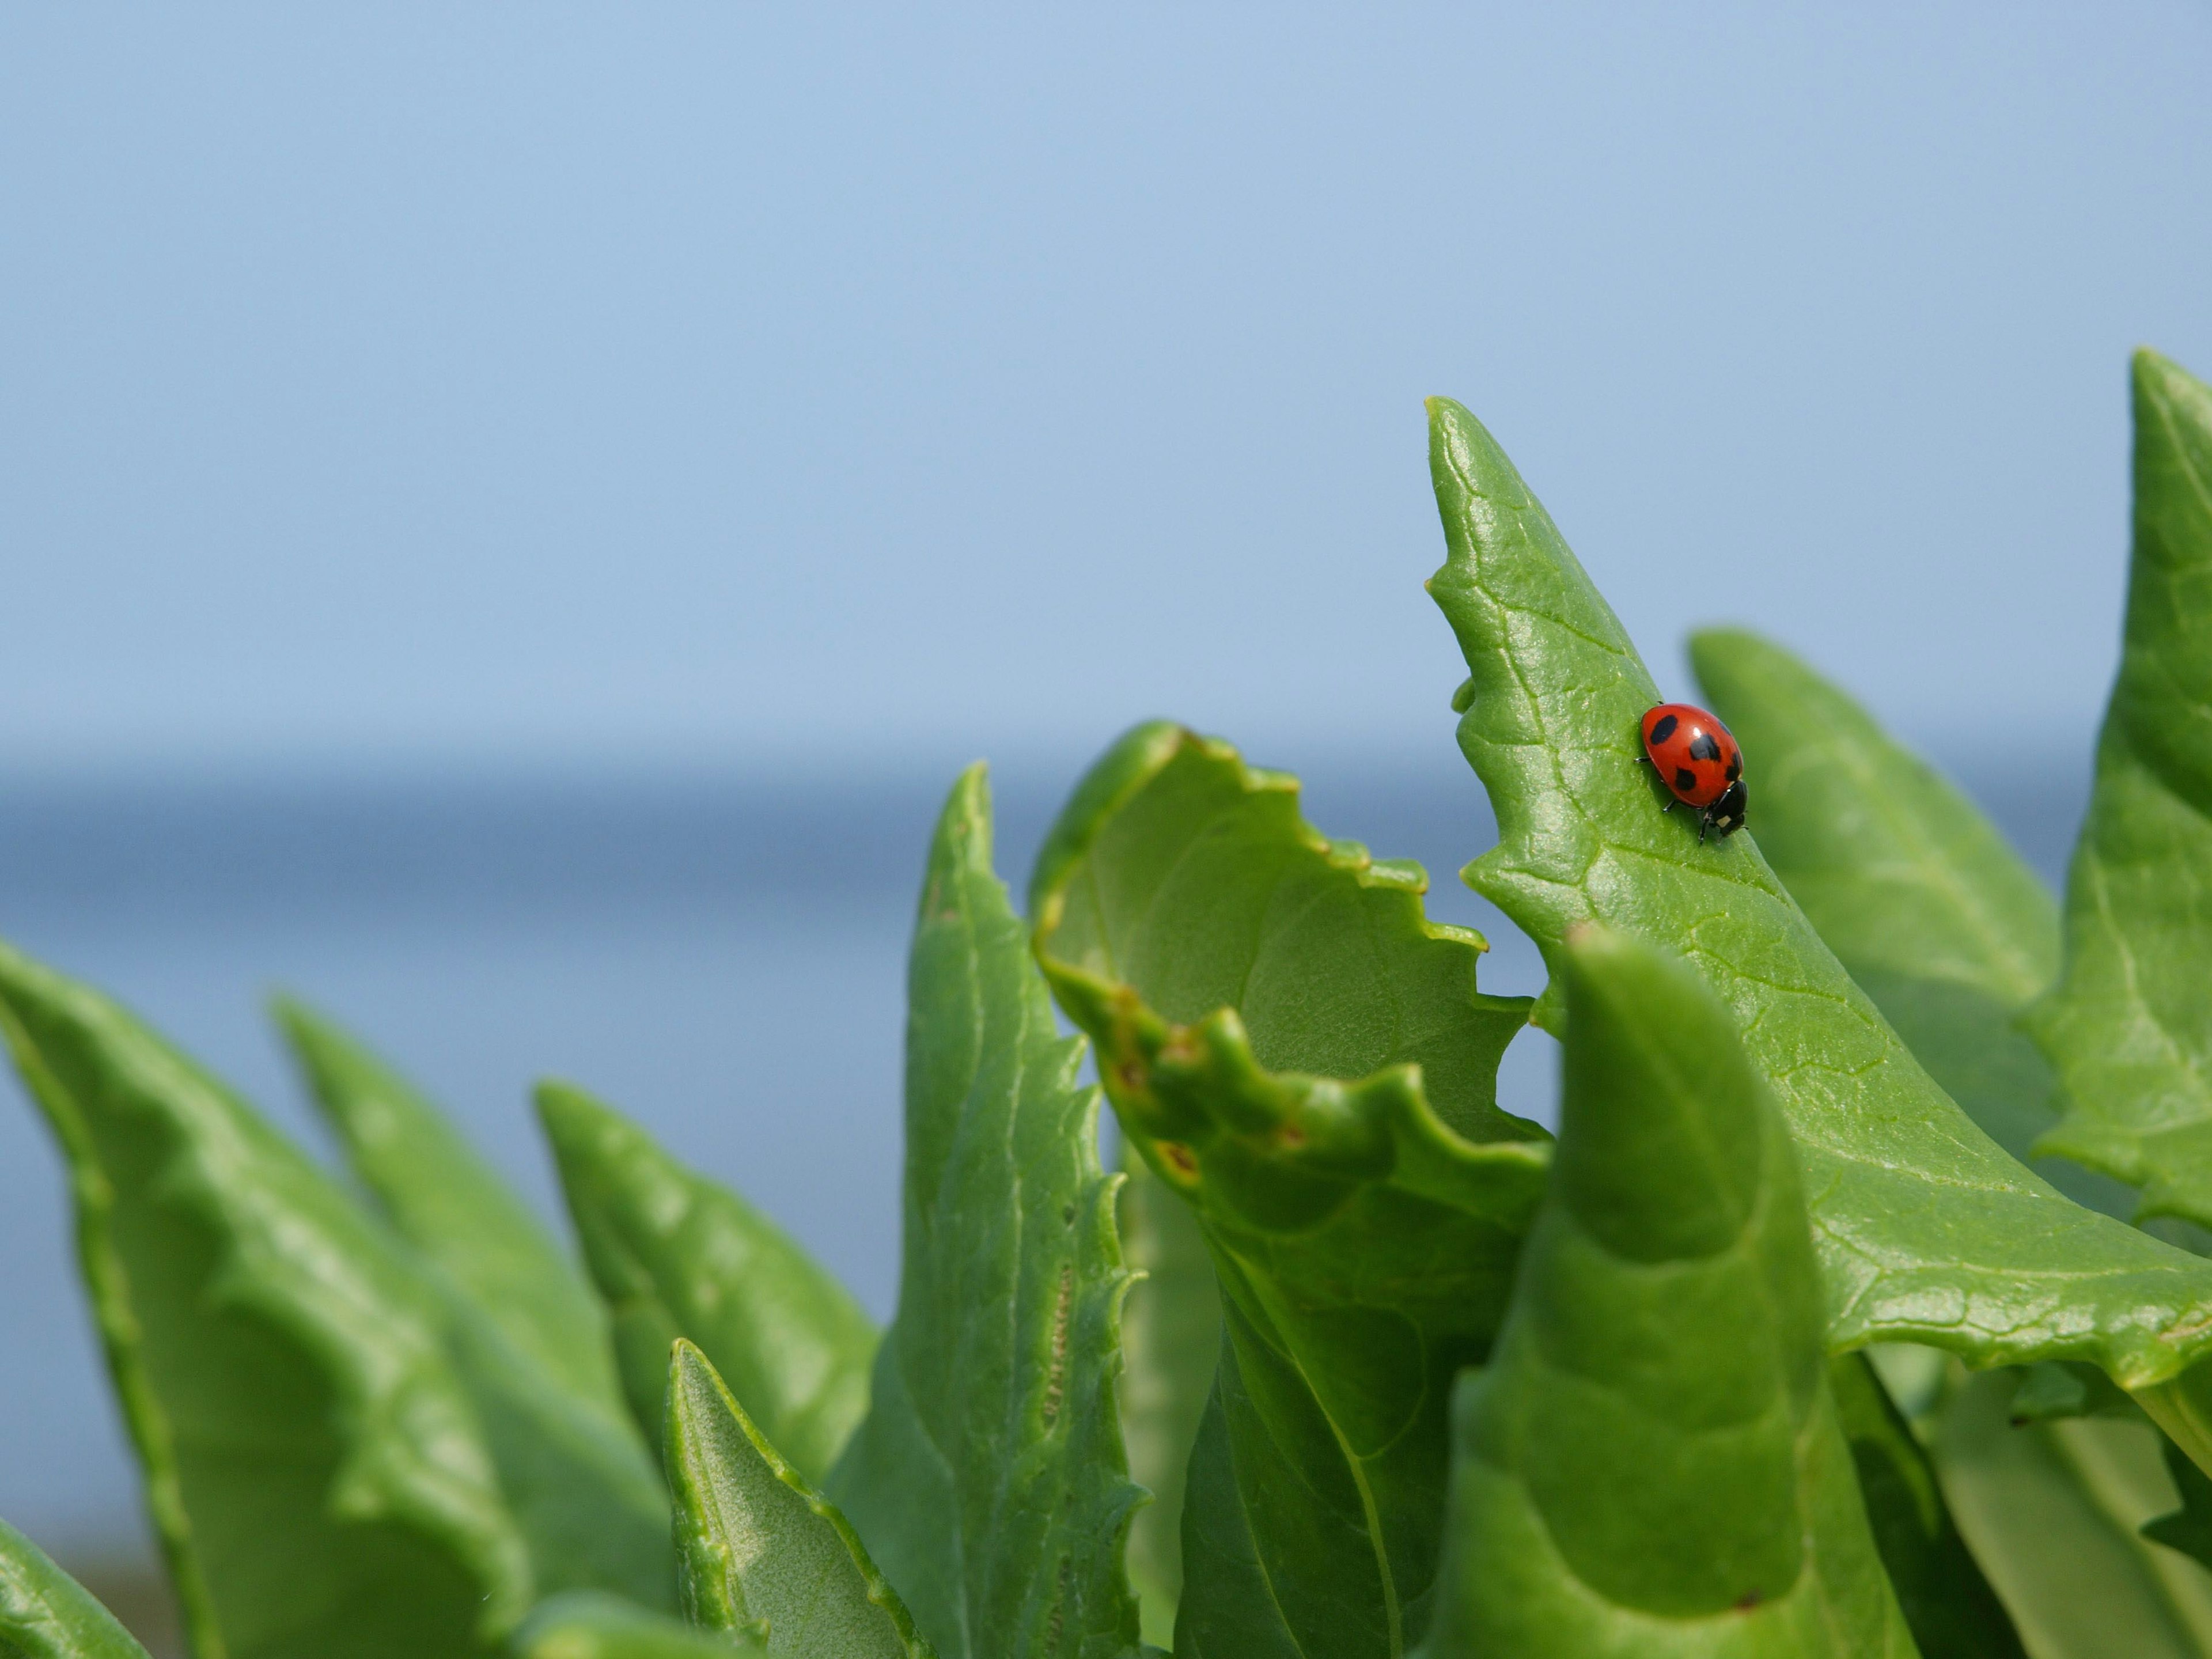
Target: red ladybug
<point>1700,763</point>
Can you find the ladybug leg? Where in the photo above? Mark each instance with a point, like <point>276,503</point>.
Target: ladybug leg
<point>1669,806</point>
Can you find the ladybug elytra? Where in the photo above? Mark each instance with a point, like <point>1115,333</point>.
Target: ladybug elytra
<point>1700,763</point>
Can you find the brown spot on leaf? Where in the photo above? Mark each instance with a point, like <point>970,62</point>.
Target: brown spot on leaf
<point>1055,1380</point>
<point>1054,1625</point>
<point>1179,1157</point>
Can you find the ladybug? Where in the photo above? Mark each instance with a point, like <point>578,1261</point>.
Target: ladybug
<point>1700,763</point>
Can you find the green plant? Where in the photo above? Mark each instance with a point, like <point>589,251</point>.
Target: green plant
<point>1824,1327</point>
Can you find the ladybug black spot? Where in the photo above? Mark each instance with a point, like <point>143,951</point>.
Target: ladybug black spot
<point>1685,779</point>
<point>1663,730</point>
<point>1702,747</point>
<point>1726,814</point>
<point>1736,769</point>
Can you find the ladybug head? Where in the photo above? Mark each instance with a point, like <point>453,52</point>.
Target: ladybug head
<point>1726,814</point>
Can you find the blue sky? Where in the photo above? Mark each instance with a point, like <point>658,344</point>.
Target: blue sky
<point>697,385</point>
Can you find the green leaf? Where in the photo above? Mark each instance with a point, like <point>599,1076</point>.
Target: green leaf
<point>988,1478</point>
<point>2053,1389</point>
<point>2050,1390</point>
<point>1899,870</point>
<point>1170,1331</point>
<point>525,1332</point>
<point>1652,1464</point>
<point>2051,1512</point>
<point>447,1202</point>
<point>676,1255</point>
<point>2129,1025</point>
<point>2189,1529</point>
<point>1179,871</point>
<point>313,1466</point>
<point>1948,1604</point>
<point>1924,903</point>
<point>593,1625</point>
<point>1927,1230</point>
<point>1364,1249</point>
<point>46,1615</point>
<point>758,1545</point>
<point>595,1516</point>
<point>1230,1607</point>
<point>1934,917</point>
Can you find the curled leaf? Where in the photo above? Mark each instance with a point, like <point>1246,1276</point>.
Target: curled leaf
<point>1276,1022</point>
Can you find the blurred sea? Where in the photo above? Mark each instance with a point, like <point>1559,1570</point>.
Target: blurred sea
<point>720,956</point>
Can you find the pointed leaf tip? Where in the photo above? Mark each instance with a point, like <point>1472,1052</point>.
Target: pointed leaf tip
<point>245,1299</point>
<point>676,1255</point>
<point>447,1202</point>
<point>2151,371</point>
<point>593,1625</point>
<point>2011,1274</point>
<point>2126,1024</point>
<point>568,1116</point>
<point>1464,457</point>
<point>1650,1463</point>
<point>527,1335</point>
<point>964,823</point>
<point>1655,1079</point>
<point>756,1544</point>
<point>998,1512</point>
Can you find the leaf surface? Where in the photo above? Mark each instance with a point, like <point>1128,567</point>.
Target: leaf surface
<point>314,1467</point>
<point>450,1205</point>
<point>758,1545</point>
<point>1652,1466</point>
<point>2052,1510</point>
<point>1178,871</point>
<point>676,1255</point>
<point>988,1478</point>
<point>2189,1529</point>
<point>46,1615</point>
<point>1927,1230</point>
<point>594,1515</point>
<point>594,1624</point>
<point>2129,1024</point>
<point>1948,1604</point>
<point>526,1335</point>
<point>1276,1020</point>
<point>1923,901</point>
<point>1170,1332</point>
